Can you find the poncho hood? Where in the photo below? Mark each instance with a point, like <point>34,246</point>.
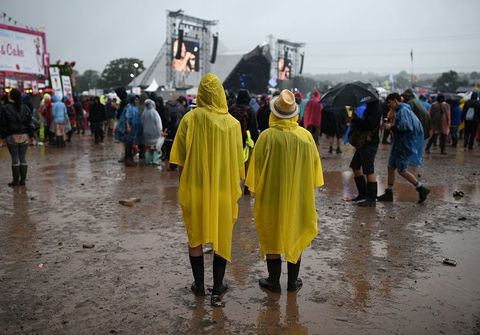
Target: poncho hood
<point>211,94</point>
<point>276,122</point>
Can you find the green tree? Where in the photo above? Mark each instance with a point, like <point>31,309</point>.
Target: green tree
<point>87,80</point>
<point>120,72</point>
<point>448,82</point>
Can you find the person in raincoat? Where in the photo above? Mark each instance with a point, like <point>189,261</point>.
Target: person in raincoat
<point>152,132</point>
<point>407,147</point>
<point>440,116</point>
<point>312,118</point>
<point>208,150</point>
<point>129,128</point>
<point>60,122</point>
<point>284,171</point>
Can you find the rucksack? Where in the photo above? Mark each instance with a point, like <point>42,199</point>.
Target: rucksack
<point>470,114</point>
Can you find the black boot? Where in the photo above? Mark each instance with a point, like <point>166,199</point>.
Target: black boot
<point>23,174</point>
<point>198,274</point>
<point>15,175</point>
<point>387,196</point>
<point>272,283</point>
<point>57,141</point>
<point>361,184</point>
<point>294,283</point>
<point>330,150</point>
<point>371,200</point>
<point>219,287</point>
<point>422,194</point>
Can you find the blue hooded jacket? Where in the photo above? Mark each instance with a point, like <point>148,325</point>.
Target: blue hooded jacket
<point>407,145</point>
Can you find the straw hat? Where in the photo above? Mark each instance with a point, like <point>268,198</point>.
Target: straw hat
<point>283,106</point>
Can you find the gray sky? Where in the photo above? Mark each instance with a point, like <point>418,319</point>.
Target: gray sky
<point>341,35</point>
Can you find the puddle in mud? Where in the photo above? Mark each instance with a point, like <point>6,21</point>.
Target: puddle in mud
<point>369,271</point>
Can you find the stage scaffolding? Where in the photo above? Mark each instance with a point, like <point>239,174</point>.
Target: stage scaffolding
<point>195,30</point>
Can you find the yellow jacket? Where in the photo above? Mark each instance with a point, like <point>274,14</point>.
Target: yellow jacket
<point>208,144</point>
<point>284,170</point>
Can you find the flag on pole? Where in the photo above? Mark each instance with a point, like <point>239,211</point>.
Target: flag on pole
<point>411,54</point>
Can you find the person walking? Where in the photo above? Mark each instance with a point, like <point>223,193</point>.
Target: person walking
<point>407,147</point>
<point>16,128</point>
<point>208,150</point>
<point>97,118</point>
<point>152,132</point>
<point>284,210</point>
<point>440,121</point>
<point>77,105</point>
<point>471,116</point>
<point>456,119</point>
<point>312,118</point>
<point>364,136</point>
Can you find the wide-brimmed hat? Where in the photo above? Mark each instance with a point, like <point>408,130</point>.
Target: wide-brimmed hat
<point>284,106</point>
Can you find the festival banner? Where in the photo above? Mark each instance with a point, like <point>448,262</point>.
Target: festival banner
<point>67,86</point>
<point>55,80</point>
<point>21,50</point>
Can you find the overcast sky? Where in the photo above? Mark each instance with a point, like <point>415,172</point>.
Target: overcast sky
<point>340,35</point>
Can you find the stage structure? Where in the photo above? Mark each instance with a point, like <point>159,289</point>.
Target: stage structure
<point>288,59</point>
<point>188,48</point>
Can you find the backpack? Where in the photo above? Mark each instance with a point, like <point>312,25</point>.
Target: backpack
<point>470,114</point>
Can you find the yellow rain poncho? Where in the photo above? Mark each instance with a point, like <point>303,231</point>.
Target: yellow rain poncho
<point>208,144</point>
<point>284,170</point>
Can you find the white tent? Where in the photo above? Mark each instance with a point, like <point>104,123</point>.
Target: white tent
<point>153,86</point>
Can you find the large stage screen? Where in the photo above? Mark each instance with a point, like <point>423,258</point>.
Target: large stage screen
<point>190,56</point>
<point>284,68</point>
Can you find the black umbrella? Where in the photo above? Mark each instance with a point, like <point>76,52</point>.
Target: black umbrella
<point>350,94</point>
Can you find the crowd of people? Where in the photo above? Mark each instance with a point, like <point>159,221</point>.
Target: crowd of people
<point>217,139</point>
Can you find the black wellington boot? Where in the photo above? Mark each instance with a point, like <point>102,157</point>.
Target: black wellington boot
<point>272,283</point>
<point>23,174</point>
<point>294,283</point>
<point>219,265</point>
<point>361,184</point>
<point>371,200</point>
<point>198,274</point>
<point>15,176</point>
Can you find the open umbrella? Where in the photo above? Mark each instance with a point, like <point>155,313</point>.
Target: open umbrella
<point>350,94</point>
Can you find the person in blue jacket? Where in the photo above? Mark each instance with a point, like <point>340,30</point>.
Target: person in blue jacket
<point>407,147</point>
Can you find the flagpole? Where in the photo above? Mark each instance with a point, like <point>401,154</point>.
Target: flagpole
<point>411,76</point>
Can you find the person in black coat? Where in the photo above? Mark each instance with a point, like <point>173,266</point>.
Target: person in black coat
<point>471,116</point>
<point>366,133</point>
<point>16,127</point>
<point>97,117</point>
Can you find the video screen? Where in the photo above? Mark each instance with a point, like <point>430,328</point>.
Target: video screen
<point>284,68</point>
<point>189,56</point>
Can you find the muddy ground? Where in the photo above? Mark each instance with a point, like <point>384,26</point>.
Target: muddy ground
<point>369,271</point>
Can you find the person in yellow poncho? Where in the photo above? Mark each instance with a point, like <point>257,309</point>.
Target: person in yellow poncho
<point>208,149</point>
<point>285,169</point>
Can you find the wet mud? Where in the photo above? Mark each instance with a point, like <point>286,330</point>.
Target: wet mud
<point>369,270</point>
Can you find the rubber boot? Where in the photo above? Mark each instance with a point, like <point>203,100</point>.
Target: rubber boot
<point>57,141</point>
<point>155,158</point>
<point>15,176</point>
<point>23,174</point>
<point>272,283</point>
<point>371,200</point>
<point>386,197</point>
<point>198,286</point>
<point>294,283</point>
<point>219,265</point>
<point>147,157</point>
<point>361,184</point>
<point>422,194</point>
